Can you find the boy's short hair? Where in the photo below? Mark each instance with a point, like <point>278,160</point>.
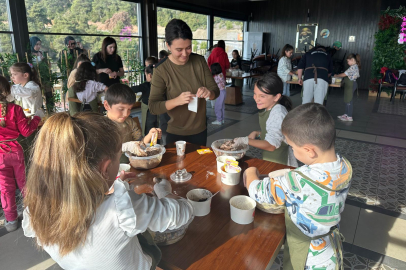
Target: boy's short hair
<point>151,60</point>
<point>120,93</point>
<point>310,124</point>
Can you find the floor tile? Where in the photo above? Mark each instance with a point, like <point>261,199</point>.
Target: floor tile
<point>357,136</point>
<point>381,233</point>
<point>20,252</point>
<point>391,141</point>
<point>348,223</point>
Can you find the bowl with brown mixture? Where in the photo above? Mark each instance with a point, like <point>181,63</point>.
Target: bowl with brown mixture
<point>152,159</point>
<point>224,147</point>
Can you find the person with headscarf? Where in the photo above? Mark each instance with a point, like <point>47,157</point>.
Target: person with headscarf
<point>35,44</point>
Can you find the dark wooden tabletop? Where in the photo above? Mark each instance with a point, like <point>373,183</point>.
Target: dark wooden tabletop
<point>215,241</point>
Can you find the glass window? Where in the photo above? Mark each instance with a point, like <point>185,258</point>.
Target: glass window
<point>88,22</point>
<point>6,45</point>
<point>106,17</point>
<point>197,23</point>
<point>231,32</point>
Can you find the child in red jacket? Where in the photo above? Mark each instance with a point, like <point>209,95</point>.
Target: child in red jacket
<point>12,169</point>
<point>219,55</point>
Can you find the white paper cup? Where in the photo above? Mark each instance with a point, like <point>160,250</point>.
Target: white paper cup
<point>221,161</point>
<point>333,80</point>
<point>230,179</point>
<point>180,148</point>
<point>123,167</point>
<point>242,209</point>
<point>199,208</point>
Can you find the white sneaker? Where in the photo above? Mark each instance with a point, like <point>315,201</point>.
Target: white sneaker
<point>342,116</point>
<point>217,123</point>
<point>346,119</point>
<point>11,225</point>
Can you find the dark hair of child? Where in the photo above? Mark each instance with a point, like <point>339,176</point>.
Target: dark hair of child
<point>177,29</point>
<point>25,68</point>
<point>356,57</point>
<point>310,124</point>
<point>271,84</point>
<point>106,42</point>
<point>149,69</point>
<point>285,49</point>
<point>120,93</point>
<point>4,92</point>
<point>221,44</point>
<point>151,60</point>
<point>163,54</point>
<point>81,58</point>
<point>215,69</point>
<point>238,54</point>
<point>86,72</point>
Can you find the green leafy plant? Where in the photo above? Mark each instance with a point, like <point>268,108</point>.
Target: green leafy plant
<point>7,60</point>
<point>135,68</point>
<point>387,51</point>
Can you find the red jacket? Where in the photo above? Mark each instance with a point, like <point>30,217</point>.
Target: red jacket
<point>218,55</point>
<point>16,123</point>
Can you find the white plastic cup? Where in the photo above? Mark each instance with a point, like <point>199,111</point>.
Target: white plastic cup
<point>333,80</point>
<point>180,148</point>
<point>242,209</point>
<point>221,161</point>
<point>123,167</point>
<point>200,209</point>
<point>231,178</point>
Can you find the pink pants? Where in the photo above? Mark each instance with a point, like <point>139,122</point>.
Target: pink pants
<point>12,170</point>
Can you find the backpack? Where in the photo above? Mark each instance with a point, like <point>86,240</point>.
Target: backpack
<point>402,79</point>
<point>388,76</point>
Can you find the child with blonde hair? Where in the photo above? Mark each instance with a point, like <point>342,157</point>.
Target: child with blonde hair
<point>68,211</point>
<point>12,169</point>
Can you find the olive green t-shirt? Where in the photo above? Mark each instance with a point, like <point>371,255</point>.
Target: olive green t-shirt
<point>169,81</point>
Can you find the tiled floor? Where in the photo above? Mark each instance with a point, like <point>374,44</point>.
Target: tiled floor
<point>374,218</point>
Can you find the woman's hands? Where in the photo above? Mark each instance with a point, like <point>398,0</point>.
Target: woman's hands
<point>113,75</point>
<point>184,98</point>
<point>203,92</point>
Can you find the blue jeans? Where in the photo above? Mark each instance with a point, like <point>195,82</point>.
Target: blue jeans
<point>286,89</point>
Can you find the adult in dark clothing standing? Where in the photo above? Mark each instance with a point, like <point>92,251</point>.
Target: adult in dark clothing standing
<point>108,63</point>
<point>317,67</point>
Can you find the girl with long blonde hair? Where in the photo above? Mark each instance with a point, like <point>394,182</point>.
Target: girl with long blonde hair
<point>75,161</point>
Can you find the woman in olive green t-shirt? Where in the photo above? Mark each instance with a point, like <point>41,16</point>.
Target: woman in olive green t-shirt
<point>178,79</point>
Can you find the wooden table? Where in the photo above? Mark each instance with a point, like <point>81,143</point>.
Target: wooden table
<point>215,241</point>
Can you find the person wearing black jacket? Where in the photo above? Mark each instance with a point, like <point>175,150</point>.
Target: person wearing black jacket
<point>317,67</point>
<point>148,120</point>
